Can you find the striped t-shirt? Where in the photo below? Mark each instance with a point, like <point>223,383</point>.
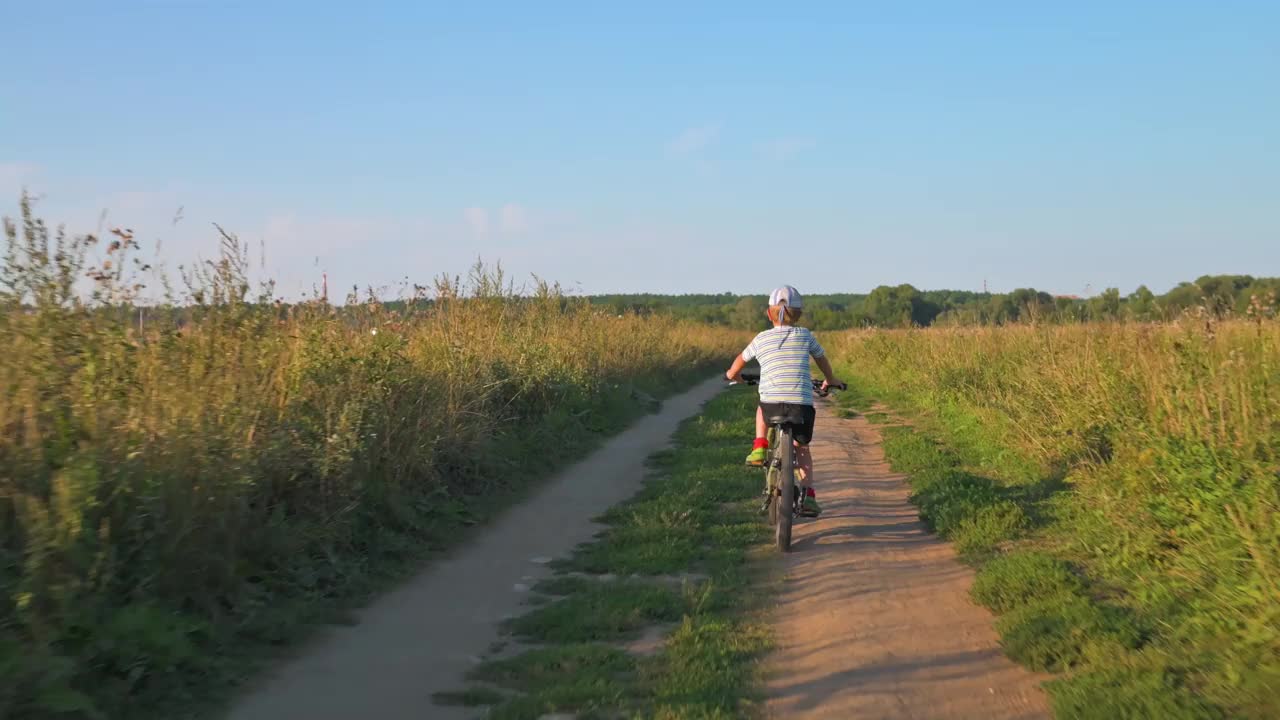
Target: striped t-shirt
<point>784,353</point>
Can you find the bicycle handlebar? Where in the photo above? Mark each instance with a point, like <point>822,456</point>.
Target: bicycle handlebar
<point>817,385</point>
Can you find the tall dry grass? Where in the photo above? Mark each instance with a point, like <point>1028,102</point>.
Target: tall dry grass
<point>1169,436</point>
<point>173,492</point>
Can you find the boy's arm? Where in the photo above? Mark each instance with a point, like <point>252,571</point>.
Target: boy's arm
<point>820,357</point>
<point>825,366</point>
<point>734,373</point>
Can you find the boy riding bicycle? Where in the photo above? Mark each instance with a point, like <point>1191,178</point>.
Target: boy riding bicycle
<point>785,379</point>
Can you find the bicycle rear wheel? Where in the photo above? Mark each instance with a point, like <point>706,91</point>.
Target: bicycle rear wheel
<point>785,503</point>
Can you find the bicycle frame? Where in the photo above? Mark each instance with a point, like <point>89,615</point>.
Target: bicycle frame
<point>782,493</point>
<point>783,496</point>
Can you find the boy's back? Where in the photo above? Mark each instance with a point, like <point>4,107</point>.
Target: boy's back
<point>783,353</point>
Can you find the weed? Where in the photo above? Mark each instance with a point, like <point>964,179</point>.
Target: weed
<point>912,452</point>
<point>1145,457</point>
<point>989,526</point>
<point>1128,693</point>
<point>471,697</point>
<point>647,549</point>
<point>694,518</point>
<point>600,611</point>
<point>1010,582</point>
<point>537,668</point>
<point>1058,632</point>
<point>949,499</point>
<point>701,673</point>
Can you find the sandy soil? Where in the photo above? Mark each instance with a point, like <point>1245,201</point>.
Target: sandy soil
<point>874,618</point>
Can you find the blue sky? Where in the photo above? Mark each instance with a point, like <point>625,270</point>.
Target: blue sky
<point>662,147</point>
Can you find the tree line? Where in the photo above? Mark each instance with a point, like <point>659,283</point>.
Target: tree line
<point>906,306</point>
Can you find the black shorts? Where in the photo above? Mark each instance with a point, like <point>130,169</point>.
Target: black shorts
<point>803,432</point>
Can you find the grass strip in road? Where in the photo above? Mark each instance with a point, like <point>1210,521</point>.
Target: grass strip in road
<point>674,556</point>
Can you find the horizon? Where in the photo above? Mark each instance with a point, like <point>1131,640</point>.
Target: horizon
<point>663,150</point>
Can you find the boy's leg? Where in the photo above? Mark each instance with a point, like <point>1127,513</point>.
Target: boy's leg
<point>760,448</point>
<point>804,464</point>
<point>804,471</point>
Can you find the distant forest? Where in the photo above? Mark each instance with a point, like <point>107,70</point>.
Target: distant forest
<point>905,306</point>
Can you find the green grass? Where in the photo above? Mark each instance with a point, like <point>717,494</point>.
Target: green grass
<point>1007,515</point>
<point>1062,632</point>
<point>600,611</point>
<point>676,553</point>
<point>1012,581</point>
<point>855,399</point>
<point>578,677</point>
<point>707,669</point>
<point>975,512</point>
<point>471,697</point>
<point>1130,693</point>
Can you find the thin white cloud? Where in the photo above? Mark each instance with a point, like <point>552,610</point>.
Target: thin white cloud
<point>290,237</point>
<point>785,148</point>
<point>510,219</point>
<point>513,218</point>
<point>477,219</point>
<point>693,140</point>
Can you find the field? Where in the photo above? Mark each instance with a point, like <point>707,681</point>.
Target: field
<point>1117,485</point>
<point>675,559</point>
<point>176,497</point>
<point>186,489</point>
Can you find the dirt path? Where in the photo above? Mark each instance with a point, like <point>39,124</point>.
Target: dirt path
<point>875,619</point>
<point>423,637</point>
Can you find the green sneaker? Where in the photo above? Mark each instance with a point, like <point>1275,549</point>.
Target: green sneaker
<point>809,507</point>
<point>757,457</point>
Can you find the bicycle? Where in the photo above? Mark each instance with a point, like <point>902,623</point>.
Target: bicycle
<point>780,479</point>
